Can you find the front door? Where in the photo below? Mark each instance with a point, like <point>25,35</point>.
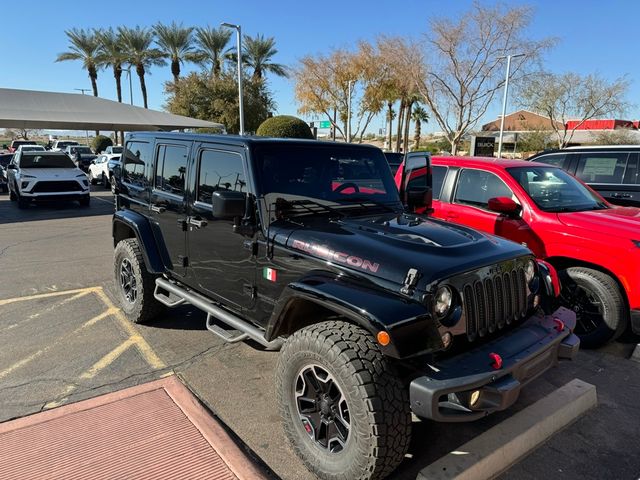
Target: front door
<point>167,205</point>
<point>469,206</point>
<point>221,259</point>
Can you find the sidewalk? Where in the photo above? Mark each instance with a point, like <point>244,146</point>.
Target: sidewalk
<point>156,430</point>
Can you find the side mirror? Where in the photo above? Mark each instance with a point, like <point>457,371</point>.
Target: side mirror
<point>504,205</point>
<point>228,204</point>
<point>416,182</point>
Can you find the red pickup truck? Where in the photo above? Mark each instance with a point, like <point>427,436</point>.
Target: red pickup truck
<point>594,246</point>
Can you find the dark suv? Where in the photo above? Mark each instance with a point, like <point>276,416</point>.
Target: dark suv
<point>612,171</point>
<point>306,247</point>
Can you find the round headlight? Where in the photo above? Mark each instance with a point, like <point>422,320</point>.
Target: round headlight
<point>529,270</point>
<point>442,301</point>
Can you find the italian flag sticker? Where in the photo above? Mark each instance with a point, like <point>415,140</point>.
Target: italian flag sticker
<point>270,274</point>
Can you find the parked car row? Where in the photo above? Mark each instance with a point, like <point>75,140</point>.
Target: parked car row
<point>593,244</point>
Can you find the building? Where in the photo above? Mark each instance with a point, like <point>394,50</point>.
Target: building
<point>521,121</point>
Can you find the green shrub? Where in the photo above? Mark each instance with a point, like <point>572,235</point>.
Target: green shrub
<point>100,143</point>
<point>284,126</point>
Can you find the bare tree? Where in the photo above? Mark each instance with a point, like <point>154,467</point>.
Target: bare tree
<point>464,67</point>
<point>21,133</point>
<point>570,96</point>
<point>323,82</point>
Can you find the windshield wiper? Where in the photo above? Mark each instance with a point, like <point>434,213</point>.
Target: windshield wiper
<point>363,201</point>
<point>308,207</point>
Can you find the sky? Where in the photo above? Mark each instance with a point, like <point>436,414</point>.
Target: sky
<point>594,37</point>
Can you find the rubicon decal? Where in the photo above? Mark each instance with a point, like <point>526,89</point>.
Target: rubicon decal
<point>335,256</point>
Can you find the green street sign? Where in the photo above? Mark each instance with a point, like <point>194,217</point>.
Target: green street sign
<point>326,124</point>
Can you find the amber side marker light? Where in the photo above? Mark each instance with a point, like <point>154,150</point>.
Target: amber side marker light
<point>383,338</point>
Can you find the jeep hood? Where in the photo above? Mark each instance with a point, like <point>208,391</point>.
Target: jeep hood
<point>621,222</point>
<point>387,246</point>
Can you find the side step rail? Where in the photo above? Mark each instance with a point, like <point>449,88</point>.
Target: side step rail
<point>247,330</point>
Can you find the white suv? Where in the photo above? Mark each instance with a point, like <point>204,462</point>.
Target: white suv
<point>46,176</point>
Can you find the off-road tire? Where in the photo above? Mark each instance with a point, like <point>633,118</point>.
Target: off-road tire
<point>145,307</point>
<point>603,288</point>
<point>12,196</point>
<point>92,180</point>
<point>104,181</point>
<point>112,184</point>
<point>22,203</point>
<point>378,401</point>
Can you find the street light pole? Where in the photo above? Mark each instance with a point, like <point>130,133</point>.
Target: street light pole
<point>504,98</point>
<point>349,112</point>
<point>86,132</point>
<point>238,30</point>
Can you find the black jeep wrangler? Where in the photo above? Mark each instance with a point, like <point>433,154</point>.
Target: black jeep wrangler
<point>306,247</point>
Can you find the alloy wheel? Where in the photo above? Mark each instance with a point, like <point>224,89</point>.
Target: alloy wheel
<point>322,408</point>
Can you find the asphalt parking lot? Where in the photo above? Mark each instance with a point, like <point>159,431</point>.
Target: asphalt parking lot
<point>63,339</point>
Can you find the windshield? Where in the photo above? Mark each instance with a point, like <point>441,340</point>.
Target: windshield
<point>326,173</point>
<point>46,161</point>
<point>116,149</point>
<point>554,190</point>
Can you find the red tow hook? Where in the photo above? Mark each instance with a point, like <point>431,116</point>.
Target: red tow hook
<point>497,361</point>
<point>559,324</point>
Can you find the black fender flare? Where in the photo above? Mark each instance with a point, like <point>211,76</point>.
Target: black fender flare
<point>408,323</point>
<point>141,228</point>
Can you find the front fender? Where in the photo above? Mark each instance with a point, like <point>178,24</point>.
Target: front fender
<point>127,220</point>
<point>411,328</point>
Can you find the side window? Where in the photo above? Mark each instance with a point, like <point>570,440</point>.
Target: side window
<point>602,167</point>
<point>219,171</point>
<point>476,187</point>
<point>137,156</point>
<point>438,174</point>
<point>171,169</point>
<point>555,159</point>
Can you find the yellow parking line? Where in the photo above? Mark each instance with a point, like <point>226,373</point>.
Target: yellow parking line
<point>47,310</point>
<point>48,295</point>
<point>37,354</point>
<point>107,360</point>
<point>96,368</point>
<point>143,347</point>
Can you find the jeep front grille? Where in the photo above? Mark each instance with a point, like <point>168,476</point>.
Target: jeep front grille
<point>61,186</point>
<point>495,302</point>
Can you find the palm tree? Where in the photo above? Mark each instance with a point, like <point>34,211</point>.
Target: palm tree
<point>257,54</point>
<point>136,43</point>
<point>110,54</point>
<point>175,41</point>
<point>211,47</point>
<point>419,115</point>
<point>83,46</point>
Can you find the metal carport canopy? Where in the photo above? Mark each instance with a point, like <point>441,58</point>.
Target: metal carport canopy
<point>31,109</point>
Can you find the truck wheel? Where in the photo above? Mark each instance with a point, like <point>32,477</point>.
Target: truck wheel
<point>344,410</point>
<point>22,203</point>
<point>105,182</point>
<point>134,285</point>
<point>12,196</point>
<point>601,312</point>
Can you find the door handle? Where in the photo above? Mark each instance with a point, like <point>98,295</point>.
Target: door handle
<point>197,223</point>
<point>158,208</point>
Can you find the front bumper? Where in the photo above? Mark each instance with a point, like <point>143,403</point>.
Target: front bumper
<point>55,197</point>
<point>533,348</point>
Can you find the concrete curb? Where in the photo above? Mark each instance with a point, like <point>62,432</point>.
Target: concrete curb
<point>498,448</point>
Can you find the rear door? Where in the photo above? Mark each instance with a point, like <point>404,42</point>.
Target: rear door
<point>167,206</point>
<point>612,174</point>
